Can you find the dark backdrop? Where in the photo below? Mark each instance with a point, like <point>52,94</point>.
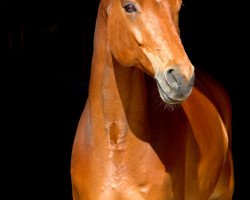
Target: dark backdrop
<point>46,49</point>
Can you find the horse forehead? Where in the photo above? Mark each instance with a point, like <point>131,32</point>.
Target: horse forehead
<point>174,2</point>
<point>170,1</point>
<point>158,1</point>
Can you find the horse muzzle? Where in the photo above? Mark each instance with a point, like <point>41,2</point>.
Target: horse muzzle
<point>173,86</point>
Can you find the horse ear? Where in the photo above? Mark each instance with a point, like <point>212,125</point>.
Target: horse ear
<point>110,3</point>
<point>108,9</point>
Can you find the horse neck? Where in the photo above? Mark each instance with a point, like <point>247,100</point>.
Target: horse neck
<point>116,93</point>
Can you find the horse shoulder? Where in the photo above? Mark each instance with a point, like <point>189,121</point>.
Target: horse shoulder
<point>207,144</point>
<point>79,166</point>
<point>219,97</point>
<point>215,92</point>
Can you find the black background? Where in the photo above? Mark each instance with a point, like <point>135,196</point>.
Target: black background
<point>46,49</point>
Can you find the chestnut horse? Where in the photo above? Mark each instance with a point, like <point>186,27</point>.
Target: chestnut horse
<point>127,149</point>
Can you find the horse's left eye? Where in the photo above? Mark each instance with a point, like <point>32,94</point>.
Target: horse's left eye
<point>130,8</point>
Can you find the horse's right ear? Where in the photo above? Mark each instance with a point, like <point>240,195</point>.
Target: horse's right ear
<point>108,10</point>
<point>109,3</point>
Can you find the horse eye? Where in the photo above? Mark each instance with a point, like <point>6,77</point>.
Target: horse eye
<point>130,8</point>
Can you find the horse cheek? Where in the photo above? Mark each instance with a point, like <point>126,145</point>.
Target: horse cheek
<point>119,39</point>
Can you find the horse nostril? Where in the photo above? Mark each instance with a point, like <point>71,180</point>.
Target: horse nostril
<point>173,78</point>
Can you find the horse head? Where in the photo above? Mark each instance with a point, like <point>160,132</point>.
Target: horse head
<point>145,34</point>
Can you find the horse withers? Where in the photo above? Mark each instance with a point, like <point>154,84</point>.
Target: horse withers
<point>127,149</point>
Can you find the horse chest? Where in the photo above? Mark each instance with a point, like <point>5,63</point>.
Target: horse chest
<point>136,178</point>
